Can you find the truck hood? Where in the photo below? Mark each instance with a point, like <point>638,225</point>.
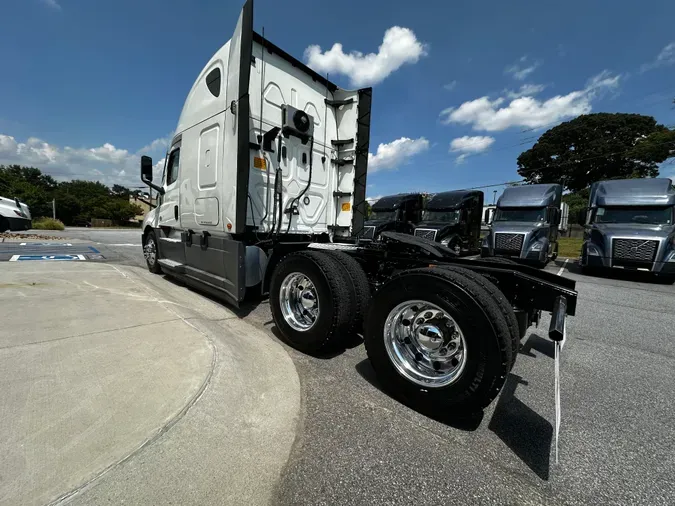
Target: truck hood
<point>517,226</point>
<point>633,229</point>
<point>442,227</point>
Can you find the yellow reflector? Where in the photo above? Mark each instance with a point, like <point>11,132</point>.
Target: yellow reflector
<point>259,163</point>
<point>346,206</point>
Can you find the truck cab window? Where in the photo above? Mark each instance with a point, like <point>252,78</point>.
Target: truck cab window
<point>172,167</point>
<point>213,82</point>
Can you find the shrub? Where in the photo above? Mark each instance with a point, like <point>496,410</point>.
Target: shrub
<point>48,224</point>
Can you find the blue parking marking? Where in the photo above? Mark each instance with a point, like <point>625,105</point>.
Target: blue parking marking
<point>94,249</point>
<point>23,258</point>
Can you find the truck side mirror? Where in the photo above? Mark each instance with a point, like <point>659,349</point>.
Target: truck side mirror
<point>556,216</point>
<point>146,168</point>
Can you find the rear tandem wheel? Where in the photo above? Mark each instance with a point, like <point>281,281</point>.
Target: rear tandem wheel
<point>439,341</point>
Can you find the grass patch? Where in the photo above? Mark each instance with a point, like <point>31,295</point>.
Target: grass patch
<point>569,246</point>
<point>48,224</point>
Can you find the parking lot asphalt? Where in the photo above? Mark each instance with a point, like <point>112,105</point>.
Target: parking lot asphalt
<point>357,445</point>
<point>617,446</point>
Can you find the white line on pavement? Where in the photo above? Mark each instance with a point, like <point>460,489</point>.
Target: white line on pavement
<point>125,244</point>
<point>562,269</point>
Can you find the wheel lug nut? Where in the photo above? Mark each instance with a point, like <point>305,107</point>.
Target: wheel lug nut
<point>428,314</point>
<point>443,351</point>
<point>452,346</point>
<point>420,321</point>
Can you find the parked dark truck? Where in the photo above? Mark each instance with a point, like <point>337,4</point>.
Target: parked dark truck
<point>630,225</point>
<point>525,225</point>
<point>394,213</point>
<point>453,218</point>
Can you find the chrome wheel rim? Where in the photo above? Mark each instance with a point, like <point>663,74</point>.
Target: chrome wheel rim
<point>299,302</point>
<point>425,344</point>
<point>150,251</point>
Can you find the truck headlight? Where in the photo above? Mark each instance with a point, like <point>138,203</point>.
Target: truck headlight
<point>445,241</point>
<point>537,246</point>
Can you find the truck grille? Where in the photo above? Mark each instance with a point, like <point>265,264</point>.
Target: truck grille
<point>634,250</point>
<point>426,233</point>
<point>367,232</point>
<point>508,243</point>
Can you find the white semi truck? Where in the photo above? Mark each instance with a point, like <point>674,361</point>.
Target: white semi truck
<point>263,192</point>
<point>14,215</point>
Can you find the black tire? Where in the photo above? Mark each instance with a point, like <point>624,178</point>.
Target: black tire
<point>482,323</point>
<point>503,304</point>
<point>153,266</point>
<point>335,298</point>
<point>4,225</point>
<point>359,285</point>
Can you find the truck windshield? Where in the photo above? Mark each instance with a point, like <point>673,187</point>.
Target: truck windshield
<point>383,215</point>
<point>527,214</point>
<point>442,216</point>
<point>633,214</point>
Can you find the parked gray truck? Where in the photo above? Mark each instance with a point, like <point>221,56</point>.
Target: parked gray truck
<point>525,225</point>
<point>630,225</point>
<point>453,219</point>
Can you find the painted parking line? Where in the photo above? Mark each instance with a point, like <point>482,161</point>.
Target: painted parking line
<point>45,244</point>
<point>562,269</point>
<point>23,258</point>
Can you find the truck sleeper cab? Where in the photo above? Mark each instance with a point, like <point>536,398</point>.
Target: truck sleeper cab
<point>454,219</point>
<point>394,213</point>
<point>254,201</point>
<point>525,224</point>
<point>631,225</point>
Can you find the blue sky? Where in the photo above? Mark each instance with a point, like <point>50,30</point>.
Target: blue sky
<point>464,88</point>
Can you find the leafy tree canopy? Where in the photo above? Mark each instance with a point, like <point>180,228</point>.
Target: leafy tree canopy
<point>595,147</point>
<point>76,201</point>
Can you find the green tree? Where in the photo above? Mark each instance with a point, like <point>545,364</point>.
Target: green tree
<point>120,191</point>
<point>594,147</point>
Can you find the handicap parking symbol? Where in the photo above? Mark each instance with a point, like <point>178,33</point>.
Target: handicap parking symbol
<point>23,258</point>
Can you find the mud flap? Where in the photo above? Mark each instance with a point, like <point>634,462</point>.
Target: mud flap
<point>558,334</point>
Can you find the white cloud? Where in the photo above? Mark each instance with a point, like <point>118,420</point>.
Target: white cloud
<point>522,68</point>
<point>399,46</point>
<point>495,115</point>
<point>52,4</point>
<point>665,57</point>
<point>372,200</point>
<point>106,163</point>
<point>396,153</point>
<point>525,90</point>
<point>450,86</point>
<point>467,146</point>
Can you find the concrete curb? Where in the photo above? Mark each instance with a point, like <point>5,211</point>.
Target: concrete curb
<point>240,416</point>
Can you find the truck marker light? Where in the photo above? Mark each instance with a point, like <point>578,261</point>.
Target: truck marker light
<point>229,226</point>
<point>346,206</point>
<point>259,163</point>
